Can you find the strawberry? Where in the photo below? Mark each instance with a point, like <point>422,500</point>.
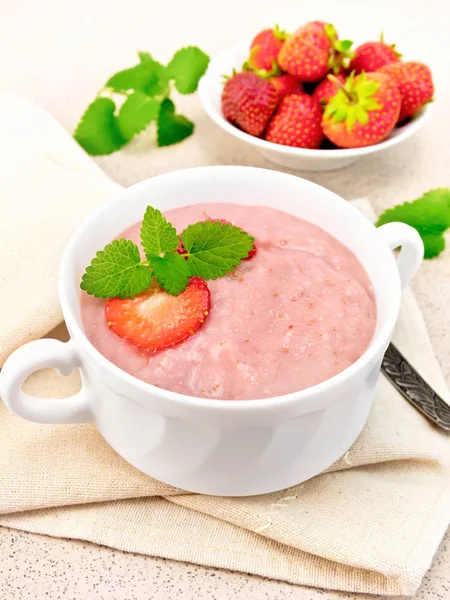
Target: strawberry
<point>249,101</point>
<point>373,55</point>
<point>327,89</point>
<point>285,85</point>
<point>264,51</point>
<point>296,122</point>
<point>312,51</point>
<point>155,320</point>
<point>182,250</point>
<point>415,83</point>
<point>363,112</point>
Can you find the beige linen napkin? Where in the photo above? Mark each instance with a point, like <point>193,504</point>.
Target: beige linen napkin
<point>370,524</point>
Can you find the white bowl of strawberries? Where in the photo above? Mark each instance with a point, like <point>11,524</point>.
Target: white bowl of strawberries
<point>307,101</point>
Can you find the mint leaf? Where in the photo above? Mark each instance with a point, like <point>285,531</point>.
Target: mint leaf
<point>145,56</point>
<point>215,249</point>
<point>136,113</point>
<point>149,77</point>
<point>187,66</point>
<point>134,78</point>
<point>97,131</point>
<point>171,272</point>
<point>434,244</point>
<point>172,128</point>
<point>429,214</point>
<point>158,236</point>
<point>116,271</point>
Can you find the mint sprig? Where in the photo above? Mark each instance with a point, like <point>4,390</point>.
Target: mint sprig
<point>214,249</point>
<point>429,215</point>
<point>171,272</point>
<point>158,236</point>
<point>211,250</point>
<point>117,271</point>
<point>132,98</point>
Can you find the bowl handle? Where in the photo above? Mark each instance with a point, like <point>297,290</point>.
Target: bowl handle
<point>31,357</point>
<point>411,252</point>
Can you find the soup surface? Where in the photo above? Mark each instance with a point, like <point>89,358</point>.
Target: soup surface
<point>299,312</point>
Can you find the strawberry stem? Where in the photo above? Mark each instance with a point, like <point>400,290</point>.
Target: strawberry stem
<point>341,86</point>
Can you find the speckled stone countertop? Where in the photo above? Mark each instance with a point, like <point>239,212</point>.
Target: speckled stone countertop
<point>59,53</point>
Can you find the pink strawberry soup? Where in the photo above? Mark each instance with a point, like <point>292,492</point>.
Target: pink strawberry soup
<point>299,312</point>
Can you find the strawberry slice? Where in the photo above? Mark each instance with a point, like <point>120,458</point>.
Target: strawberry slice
<point>155,320</point>
<point>251,254</point>
<point>182,250</point>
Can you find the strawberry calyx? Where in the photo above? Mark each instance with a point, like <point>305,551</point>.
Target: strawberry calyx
<point>279,33</point>
<point>264,73</point>
<point>392,46</point>
<point>340,52</point>
<point>353,101</point>
<point>225,78</point>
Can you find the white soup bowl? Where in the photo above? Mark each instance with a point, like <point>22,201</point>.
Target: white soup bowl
<point>216,446</point>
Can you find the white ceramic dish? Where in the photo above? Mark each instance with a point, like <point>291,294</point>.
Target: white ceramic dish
<point>212,446</point>
<point>210,92</point>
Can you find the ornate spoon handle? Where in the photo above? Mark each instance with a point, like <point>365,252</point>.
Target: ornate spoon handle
<point>414,388</point>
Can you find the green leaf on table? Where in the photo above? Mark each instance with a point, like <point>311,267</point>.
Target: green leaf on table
<point>136,113</point>
<point>214,249</point>
<point>171,272</point>
<point>149,77</point>
<point>116,272</point>
<point>429,215</point>
<point>158,236</point>
<point>98,132</point>
<point>187,66</point>
<point>433,243</point>
<point>145,56</point>
<point>172,128</point>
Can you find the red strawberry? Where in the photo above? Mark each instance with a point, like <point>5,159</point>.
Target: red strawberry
<point>285,85</point>
<point>312,51</point>
<point>363,112</point>
<point>327,89</point>
<point>182,250</point>
<point>373,55</point>
<point>415,83</point>
<point>249,101</point>
<point>264,50</point>
<point>155,320</point>
<point>251,254</point>
<point>296,122</point>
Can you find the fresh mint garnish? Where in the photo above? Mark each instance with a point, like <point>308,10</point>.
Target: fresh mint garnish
<point>214,249</point>
<point>171,272</point>
<point>117,271</point>
<point>132,98</point>
<point>211,250</point>
<point>429,214</point>
<point>158,236</point>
